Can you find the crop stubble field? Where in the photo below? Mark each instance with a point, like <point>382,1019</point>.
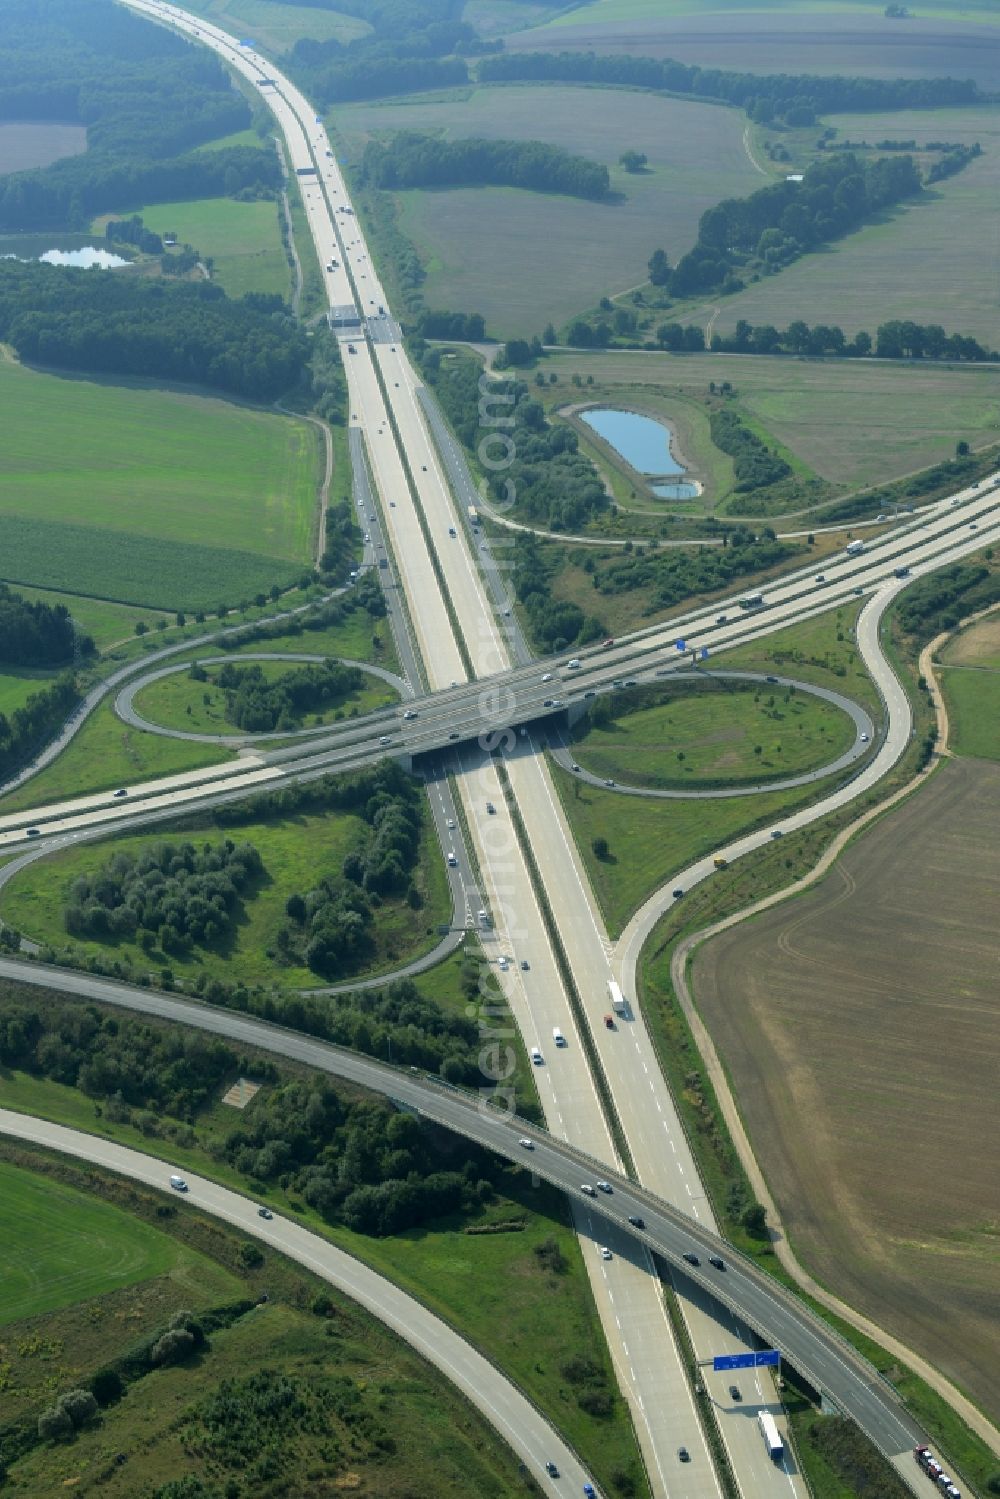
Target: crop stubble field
<point>477,241</point>
<point>150,496</point>
<point>947,38</point>
<point>853,422</point>
<point>933,259</point>
<point>868,1008</point>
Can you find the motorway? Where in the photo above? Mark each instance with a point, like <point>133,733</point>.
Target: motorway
<point>482,1384</point>
<point>459,620</point>
<point>776,1312</point>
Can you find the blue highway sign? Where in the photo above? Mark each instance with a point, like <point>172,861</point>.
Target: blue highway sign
<point>768,1357</point>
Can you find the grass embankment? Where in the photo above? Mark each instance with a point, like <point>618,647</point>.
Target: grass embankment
<point>649,841</point>
<point>179,702</point>
<point>206,501</point>
<point>488,1282</point>
<point>730,735</point>
<point>969,675</point>
<point>367,1411</point>
<point>296,852</point>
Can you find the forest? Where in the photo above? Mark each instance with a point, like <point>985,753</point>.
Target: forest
<point>145,96</point>
<point>795,98</point>
<point>754,465</point>
<point>414,160</point>
<point>411,46</point>
<point>78,319</point>
<point>352,1157</point>
<point>33,633</point>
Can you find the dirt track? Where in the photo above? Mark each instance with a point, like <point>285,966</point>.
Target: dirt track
<point>860,1025</point>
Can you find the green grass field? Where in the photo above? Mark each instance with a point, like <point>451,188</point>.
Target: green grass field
<point>107,624</point>
<point>851,422</point>
<point>242,239</point>
<point>276,28</point>
<point>177,702</point>
<point>972,697</point>
<point>149,496</point>
<point>59,1246</point>
<point>105,754</point>
<point>16,686</point>
<point>295,852</point>
<point>820,650</point>
<point>912,265</point>
<point>689,739</point>
<point>476,243</point>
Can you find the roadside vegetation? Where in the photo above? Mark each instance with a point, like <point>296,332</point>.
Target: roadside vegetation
<point>505,1270</point>
<point>345,879</point>
<point>254,1380</point>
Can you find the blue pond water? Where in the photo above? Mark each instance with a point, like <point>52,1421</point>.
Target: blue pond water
<point>645,444</point>
<point>68,249</point>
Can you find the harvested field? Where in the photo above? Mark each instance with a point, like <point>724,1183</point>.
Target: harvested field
<point>912,264</point>
<point>477,242</point>
<point>860,1025</point>
<point>780,38</point>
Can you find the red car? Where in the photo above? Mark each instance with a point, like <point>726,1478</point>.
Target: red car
<point>609,1021</point>
<point>607,643</point>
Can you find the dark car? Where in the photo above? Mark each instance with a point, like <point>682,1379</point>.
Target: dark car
<point>692,1259</point>
<point>552,1470</point>
<point>121,791</point>
<point>684,1454</point>
<point>609,1021</point>
<point>34,833</point>
<point>713,1259</point>
<point>677,894</point>
<point>722,619</point>
<point>265,1213</point>
<point>638,1222</point>
<point>453,734</point>
<point>734,1391</point>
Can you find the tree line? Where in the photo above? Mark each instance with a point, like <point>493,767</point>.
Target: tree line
<point>23,732</point>
<point>795,98</point>
<point>78,319</point>
<point>678,573</point>
<point>258,705</point>
<point>33,633</point>
<point>778,223</point>
<point>754,465</point>
<point>896,339</point>
<point>146,98</point>
<point>411,159</point>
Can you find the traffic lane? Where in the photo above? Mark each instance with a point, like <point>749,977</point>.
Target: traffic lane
<point>508,1411</point>
<point>759,1302</point>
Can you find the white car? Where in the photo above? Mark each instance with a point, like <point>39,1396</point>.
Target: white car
<point>605,1252</point>
<point>536,1057</point>
<point>528,1144</point>
<point>450,823</point>
<point>452,861</point>
<point>547,677</point>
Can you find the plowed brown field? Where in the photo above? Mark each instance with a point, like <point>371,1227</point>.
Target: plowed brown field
<point>860,1025</point>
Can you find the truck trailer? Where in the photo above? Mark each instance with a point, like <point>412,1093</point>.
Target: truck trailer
<point>617,998</point>
<point>772,1438</point>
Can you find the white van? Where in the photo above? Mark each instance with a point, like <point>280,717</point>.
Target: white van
<point>558,1036</point>
<point>573,665</point>
<point>536,1056</point>
<point>178,1183</point>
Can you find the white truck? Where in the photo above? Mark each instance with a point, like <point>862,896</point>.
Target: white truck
<point>617,998</point>
<point>772,1438</point>
<point>855,548</point>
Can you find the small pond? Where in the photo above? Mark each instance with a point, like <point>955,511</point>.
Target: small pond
<point>60,249</point>
<point>644,443</point>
